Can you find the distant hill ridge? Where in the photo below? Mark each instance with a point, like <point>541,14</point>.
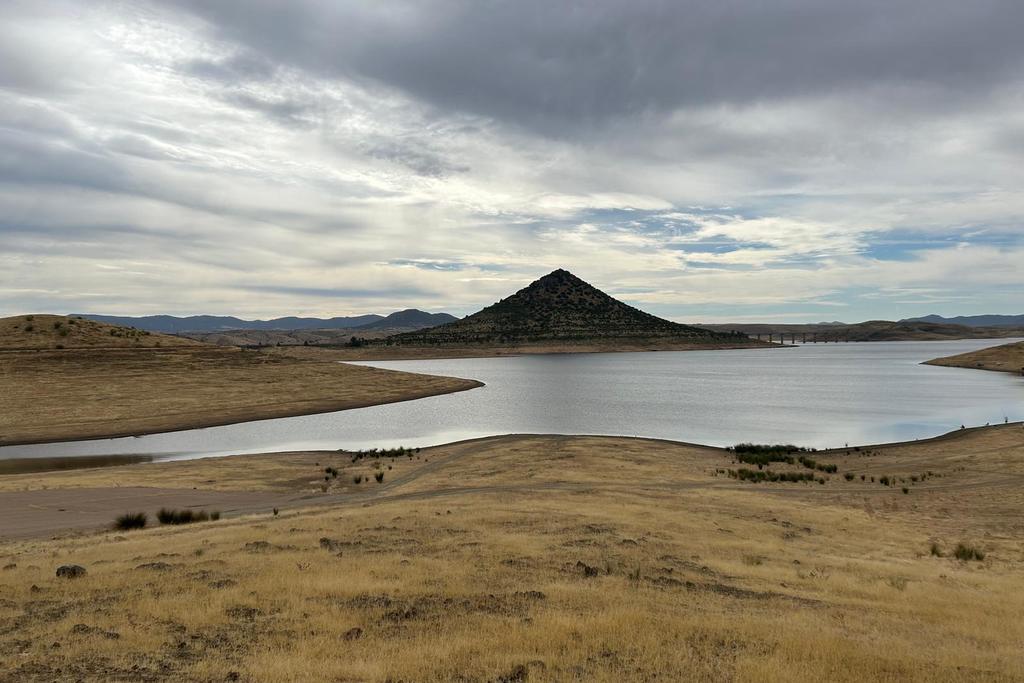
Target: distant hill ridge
<point>410,318</point>
<point>170,324</point>
<point>973,320</point>
<point>558,307</point>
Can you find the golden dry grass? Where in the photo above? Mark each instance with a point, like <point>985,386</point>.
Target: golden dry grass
<point>472,569</point>
<point>84,393</point>
<point>1004,358</point>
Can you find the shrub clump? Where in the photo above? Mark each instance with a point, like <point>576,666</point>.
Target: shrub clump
<point>169,516</point>
<point>812,464</point>
<point>763,454</point>
<point>379,476</point>
<point>377,453</point>
<point>966,553</point>
<point>131,520</point>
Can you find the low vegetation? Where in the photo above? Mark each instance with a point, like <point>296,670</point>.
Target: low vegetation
<point>756,476</point>
<point>765,454</point>
<point>131,520</point>
<point>377,453</point>
<point>169,516</point>
<point>967,553</point>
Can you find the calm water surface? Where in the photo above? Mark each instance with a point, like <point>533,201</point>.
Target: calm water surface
<point>814,395</point>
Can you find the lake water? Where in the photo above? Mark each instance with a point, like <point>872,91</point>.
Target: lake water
<point>817,395</point>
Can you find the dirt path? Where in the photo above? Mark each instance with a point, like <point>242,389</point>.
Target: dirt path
<point>29,514</point>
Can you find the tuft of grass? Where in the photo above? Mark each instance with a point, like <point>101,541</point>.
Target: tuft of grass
<point>905,490</point>
<point>936,551</point>
<point>848,476</point>
<point>966,553</point>
<point>379,476</point>
<point>358,479</point>
<point>131,520</point>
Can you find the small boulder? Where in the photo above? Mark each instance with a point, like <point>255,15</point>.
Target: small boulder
<point>71,571</point>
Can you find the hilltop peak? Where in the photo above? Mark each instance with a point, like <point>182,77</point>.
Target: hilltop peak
<point>558,307</point>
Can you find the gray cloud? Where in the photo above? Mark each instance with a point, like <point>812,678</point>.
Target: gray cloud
<point>559,66</point>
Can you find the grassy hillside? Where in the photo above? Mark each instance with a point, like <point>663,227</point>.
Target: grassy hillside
<point>63,332</point>
<point>543,559</point>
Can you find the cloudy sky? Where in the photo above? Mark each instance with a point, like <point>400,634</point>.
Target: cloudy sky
<point>793,160</point>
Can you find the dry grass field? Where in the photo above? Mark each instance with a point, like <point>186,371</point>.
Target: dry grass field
<point>1004,358</point>
<point>56,395</point>
<point>534,558</point>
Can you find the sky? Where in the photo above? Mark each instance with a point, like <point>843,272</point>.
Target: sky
<point>794,160</point>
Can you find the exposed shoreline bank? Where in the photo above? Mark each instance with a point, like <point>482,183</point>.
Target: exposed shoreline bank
<point>256,483</point>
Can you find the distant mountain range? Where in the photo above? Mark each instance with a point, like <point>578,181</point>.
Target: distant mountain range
<point>561,308</point>
<point>973,320</point>
<point>408,319</point>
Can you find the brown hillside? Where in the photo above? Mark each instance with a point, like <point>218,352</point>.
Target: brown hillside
<point>1005,358</point>
<point>63,332</point>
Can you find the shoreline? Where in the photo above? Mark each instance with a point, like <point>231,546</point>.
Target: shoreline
<point>373,352</point>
